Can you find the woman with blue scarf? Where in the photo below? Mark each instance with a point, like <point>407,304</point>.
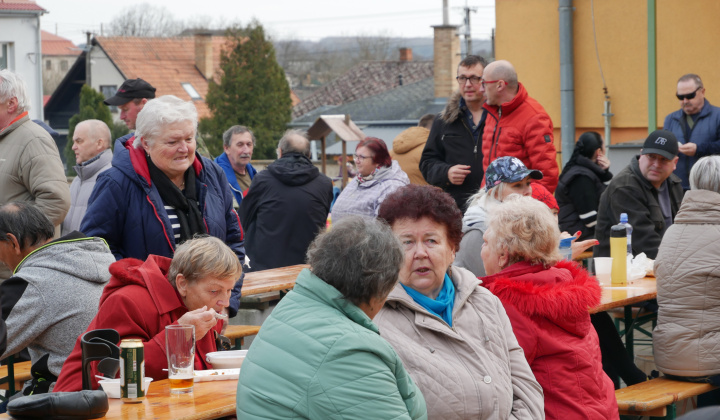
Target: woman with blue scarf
<point>452,335</point>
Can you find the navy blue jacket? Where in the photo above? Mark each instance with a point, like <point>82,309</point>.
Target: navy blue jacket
<point>705,133</point>
<point>226,166</point>
<point>126,210</point>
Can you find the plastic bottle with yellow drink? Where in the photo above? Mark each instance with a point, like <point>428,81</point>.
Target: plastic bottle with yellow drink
<point>618,252</point>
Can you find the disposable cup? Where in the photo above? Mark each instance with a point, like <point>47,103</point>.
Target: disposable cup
<point>603,268</point>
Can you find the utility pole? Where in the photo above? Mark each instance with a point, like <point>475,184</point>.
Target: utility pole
<point>88,47</point>
<point>468,36</point>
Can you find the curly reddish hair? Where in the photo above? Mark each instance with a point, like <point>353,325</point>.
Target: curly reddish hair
<point>417,201</point>
<point>377,146</point>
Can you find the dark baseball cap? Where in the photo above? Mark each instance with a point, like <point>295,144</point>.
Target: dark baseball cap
<point>508,169</point>
<point>129,90</point>
<point>661,142</point>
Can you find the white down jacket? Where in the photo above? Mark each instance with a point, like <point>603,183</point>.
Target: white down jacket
<point>474,370</point>
<point>687,337</point>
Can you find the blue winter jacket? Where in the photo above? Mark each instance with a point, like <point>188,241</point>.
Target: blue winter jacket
<point>126,210</point>
<point>226,166</point>
<point>705,133</point>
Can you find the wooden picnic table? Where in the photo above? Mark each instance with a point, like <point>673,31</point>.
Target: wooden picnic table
<point>274,280</point>
<point>209,400</point>
<point>622,296</point>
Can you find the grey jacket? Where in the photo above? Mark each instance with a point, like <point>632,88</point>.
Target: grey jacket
<point>474,370</point>
<point>81,188</point>
<point>31,170</point>
<point>53,295</point>
<point>687,336</point>
<point>474,227</point>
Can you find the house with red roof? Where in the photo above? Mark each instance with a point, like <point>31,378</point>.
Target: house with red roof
<point>20,47</point>
<point>58,54</point>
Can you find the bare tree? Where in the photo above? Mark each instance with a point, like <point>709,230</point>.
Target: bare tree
<point>145,20</point>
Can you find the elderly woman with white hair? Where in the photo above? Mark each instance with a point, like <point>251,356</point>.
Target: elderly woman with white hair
<point>687,335</point>
<point>547,300</point>
<point>161,192</point>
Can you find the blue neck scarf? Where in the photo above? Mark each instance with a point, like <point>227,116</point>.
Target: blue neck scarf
<point>442,306</point>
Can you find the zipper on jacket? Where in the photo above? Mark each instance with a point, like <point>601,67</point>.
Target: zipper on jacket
<point>493,142</point>
<point>471,135</point>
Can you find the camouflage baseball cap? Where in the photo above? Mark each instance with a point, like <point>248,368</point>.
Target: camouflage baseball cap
<point>508,169</point>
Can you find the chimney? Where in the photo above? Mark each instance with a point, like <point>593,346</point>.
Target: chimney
<point>446,50</point>
<point>204,54</point>
<point>405,54</point>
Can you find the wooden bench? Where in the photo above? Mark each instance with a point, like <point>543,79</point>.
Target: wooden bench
<point>21,374</point>
<point>236,333</point>
<point>657,397</point>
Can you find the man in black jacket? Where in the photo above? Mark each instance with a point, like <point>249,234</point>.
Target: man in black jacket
<point>452,158</point>
<point>648,191</point>
<point>285,207</point>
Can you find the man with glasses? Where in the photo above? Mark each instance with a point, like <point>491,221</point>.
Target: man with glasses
<point>696,125</point>
<point>647,191</point>
<point>452,158</point>
<point>516,125</point>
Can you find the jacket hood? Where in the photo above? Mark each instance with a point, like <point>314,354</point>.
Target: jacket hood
<point>563,293</point>
<point>699,206</point>
<point>452,109</point>
<point>74,255</point>
<point>409,139</point>
<point>133,272</point>
<point>510,106</point>
<point>293,169</point>
<point>394,172</point>
<point>133,164</point>
<point>475,216</point>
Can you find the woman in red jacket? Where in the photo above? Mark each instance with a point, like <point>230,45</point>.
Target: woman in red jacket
<point>547,301</point>
<point>142,298</point>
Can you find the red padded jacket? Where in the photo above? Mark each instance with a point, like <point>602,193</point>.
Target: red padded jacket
<point>138,302</point>
<point>521,128</point>
<point>548,310</point>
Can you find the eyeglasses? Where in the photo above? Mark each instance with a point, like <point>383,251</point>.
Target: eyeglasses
<point>484,82</point>
<point>360,158</point>
<point>474,80</point>
<point>690,95</point>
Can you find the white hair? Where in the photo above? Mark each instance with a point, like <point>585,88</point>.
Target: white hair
<point>158,113</point>
<point>13,86</point>
<point>705,174</point>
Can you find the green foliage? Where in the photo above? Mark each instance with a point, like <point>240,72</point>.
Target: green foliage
<point>91,108</point>
<point>252,91</point>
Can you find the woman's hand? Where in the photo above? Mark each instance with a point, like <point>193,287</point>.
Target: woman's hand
<point>579,247</point>
<point>203,319</point>
<point>603,162</point>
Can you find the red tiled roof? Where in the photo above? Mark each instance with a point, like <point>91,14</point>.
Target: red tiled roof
<point>57,45</point>
<point>20,5</point>
<point>365,79</point>
<point>165,63</point>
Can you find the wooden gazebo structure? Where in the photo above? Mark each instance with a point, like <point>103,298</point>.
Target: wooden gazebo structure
<point>344,128</point>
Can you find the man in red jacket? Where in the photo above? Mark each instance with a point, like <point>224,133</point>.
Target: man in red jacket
<point>516,125</point>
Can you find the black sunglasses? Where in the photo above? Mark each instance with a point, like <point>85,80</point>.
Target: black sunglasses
<point>687,95</point>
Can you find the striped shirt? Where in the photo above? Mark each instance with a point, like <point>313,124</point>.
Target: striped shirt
<point>174,222</point>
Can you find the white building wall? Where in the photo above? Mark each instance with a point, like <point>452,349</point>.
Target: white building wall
<point>104,73</point>
<point>22,35</point>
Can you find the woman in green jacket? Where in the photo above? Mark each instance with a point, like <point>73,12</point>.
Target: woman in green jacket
<point>319,355</point>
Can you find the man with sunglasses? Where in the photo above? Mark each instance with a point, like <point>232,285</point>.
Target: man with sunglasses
<point>517,125</point>
<point>452,157</point>
<point>696,125</point>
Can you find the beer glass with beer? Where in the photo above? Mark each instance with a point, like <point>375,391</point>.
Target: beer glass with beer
<point>180,346</point>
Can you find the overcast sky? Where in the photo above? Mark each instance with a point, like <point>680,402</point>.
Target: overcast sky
<point>283,19</point>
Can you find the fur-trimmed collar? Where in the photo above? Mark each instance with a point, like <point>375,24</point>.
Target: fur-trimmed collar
<point>562,293</point>
<point>452,109</point>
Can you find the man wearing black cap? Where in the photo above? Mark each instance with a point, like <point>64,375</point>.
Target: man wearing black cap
<point>130,99</point>
<point>648,191</point>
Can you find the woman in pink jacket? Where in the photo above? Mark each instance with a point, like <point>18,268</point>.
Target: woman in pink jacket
<point>547,301</point>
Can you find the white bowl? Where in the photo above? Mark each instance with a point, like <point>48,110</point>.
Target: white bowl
<point>112,386</point>
<point>230,359</point>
